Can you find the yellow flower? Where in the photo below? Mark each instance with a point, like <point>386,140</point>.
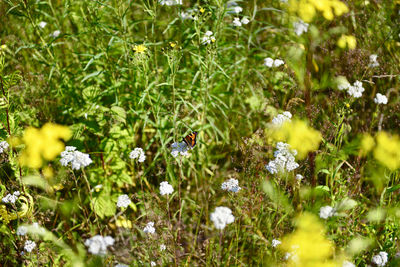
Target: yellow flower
<point>367,143</point>
<point>124,223</point>
<point>387,150</point>
<point>139,48</point>
<point>202,10</point>
<point>43,143</point>
<point>347,41</point>
<point>3,47</point>
<point>306,9</point>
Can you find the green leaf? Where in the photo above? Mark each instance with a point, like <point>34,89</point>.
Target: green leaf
<point>103,206</point>
<point>120,114</point>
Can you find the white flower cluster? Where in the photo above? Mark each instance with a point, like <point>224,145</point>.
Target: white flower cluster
<point>189,14</point>
<point>299,177</point>
<point>137,153</point>
<point>326,212</point>
<point>380,99</point>
<point>11,198</point>
<point>373,61</point>
<point>354,90</point>
<point>152,264</point>
<point>3,146</point>
<point>22,230</point>
<point>208,38</point>
<point>77,159</point>
<point>179,148</point>
<point>166,188</point>
<point>42,24</point>
<point>279,119</point>
<point>55,34</point>
<point>348,264</point>
<point>149,228</point>
<point>300,27</point>
<point>269,62</point>
<point>221,217</point>
<point>239,22</point>
<point>29,246</point>
<point>98,244</point>
<point>381,259</point>
<point>170,2</point>
<point>275,243</point>
<point>284,159</point>
<point>231,185</point>
<point>123,201</point>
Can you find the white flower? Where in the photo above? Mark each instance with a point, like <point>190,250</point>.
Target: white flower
<point>179,148</point>
<point>77,159</point>
<point>11,198</point>
<point>299,177</point>
<point>22,230</point>
<point>326,212</point>
<point>98,244</point>
<point>300,27</point>
<point>245,21</point>
<point>123,201</point>
<point>188,14</point>
<point>153,263</point>
<point>284,159</point>
<point>279,119</point>
<point>343,86</point>
<point>380,99</point>
<point>137,153</point>
<point>29,245</point>
<point>278,62</point>
<point>163,247</point>
<point>3,146</point>
<point>166,188</point>
<point>208,38</point>
<point>231,185</point>
<point>55,34</point>
<point>170,2</point>
<point>275,243</point>
<point>237,9</point>
<point>269,62</point>
<point>121,265</point>
<point>372,61</point>
<point>149,229</point>
<point>221,217</point>
<point>356,89</point>
<point>380,259</point>
<point>348,264</point>
<point>236,22</point>
<point>42,24</point>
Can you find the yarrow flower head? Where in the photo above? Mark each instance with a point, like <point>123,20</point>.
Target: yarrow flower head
<point>138,153</point>
<point>3,146</point>
<point>29,245</point>
<point>380,259</point>
<point>149,228</point>
<point>77,159</point>
<point>300,27</point>
<point>380,99</point>
<point>326,212</point>
<point>179,148</point>
<point>11,198</point>
<point>190,14</point>
<point>166,188</point>
<point>279,119</point>
<point>348,264</point>
<point>208,38</point>
<point>221,217</point>
<point>123,201</point>
<point>170,2</point>
<point>275,243</point>
<point>98,244</point>
<point>22,230</point>
<point>373,61</point>
<point>356,89</point>
<point>269,62</point>
<point>231,185</point>
<point>284,159</point>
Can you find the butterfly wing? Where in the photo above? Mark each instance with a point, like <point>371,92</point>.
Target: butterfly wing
<point>190,139</point>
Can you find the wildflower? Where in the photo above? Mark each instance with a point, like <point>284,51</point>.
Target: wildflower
<point>373,61</point>
<point>284,159</point>
<point>237,9</point>
<point>380,99</point>
<point>367,143</point>
<point>123,201</point>
<point>279,119</point>
<point>387,150</point>
<point>149,229</point>
<point>180,148</point>
<point>77,159</point>
<point>140,49</point>
<point>380,259</point>
<point>55,34</point>
<point>299,177</point>
<point>236,22</point>
<point>348,264</point>
<point>42,24</point>
<point>29,246</point>
<point>221,217</point>
<point>307,9</point>
<point>170,2</point>
<point>3,146</point>
<point>98,244</point>
<point>138,153</point>
<point>275,243</point>
<point>231,185</point>
<point>208,38</point>
<point>11,198</point>
<point>188,14</point>
<point>278,62</point>
<point>166,188</point>
<point>347,41</point>
<point>22,230</point>
<point>121,265</point>
<point>245,21</point>
<point>163,247</point>
<point>269,62</point>
<point>300,27</point>
<point>153,264</point>
<point>123,222</point>
<point>326,212</point>
<point>356,89</point>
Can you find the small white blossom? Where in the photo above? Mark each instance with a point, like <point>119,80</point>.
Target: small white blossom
<point>55,34</point>
<point>278,62</point>
<point>179,148</point>
<point>149,229</point>
<point>380,259</point>
<point>77,159</point>
<point>170,2</point>
<point>11,198</point>
<point>300,27</point>
<point>245,21</point>
<point>121,265</point>
<point>299,177</point>
<point>42,24</point>
<point>153,264</point>
<point>269,62</point>
<point>163,247</point>
<point>22,230</point>
<point>279,119</point>
<point>284,159</point>
<point>166,188</point>
<point>29,246</point>
<point>208,38</point>
<point>236,22</point>
<point>3,146</point>
<point>188,14</point>
<point>344,86</point>
<point>356,89</point>
<point>373,61</point>
<point>380,99</point>
<point>123,201</point>
<point>221,217</point>
<point>348,264</point>
<point>98,244</point>
<point>231,185</point>
<point>275,243</point>
<point>237,9</point>
<point>138,153</point>
<point>326,212</point>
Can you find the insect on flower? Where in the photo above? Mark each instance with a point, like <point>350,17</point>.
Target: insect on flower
<point>190,139</point>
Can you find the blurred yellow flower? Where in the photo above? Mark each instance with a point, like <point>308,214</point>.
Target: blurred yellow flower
<point>347,41</point>
<point>139,48</point>
<point>306,9</point>
<point>387,150</point>
<point>43,143</point>
<point>123,223</point>
<point>367,143</point>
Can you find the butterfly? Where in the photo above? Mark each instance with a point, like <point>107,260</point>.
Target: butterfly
<point>190,139</point>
